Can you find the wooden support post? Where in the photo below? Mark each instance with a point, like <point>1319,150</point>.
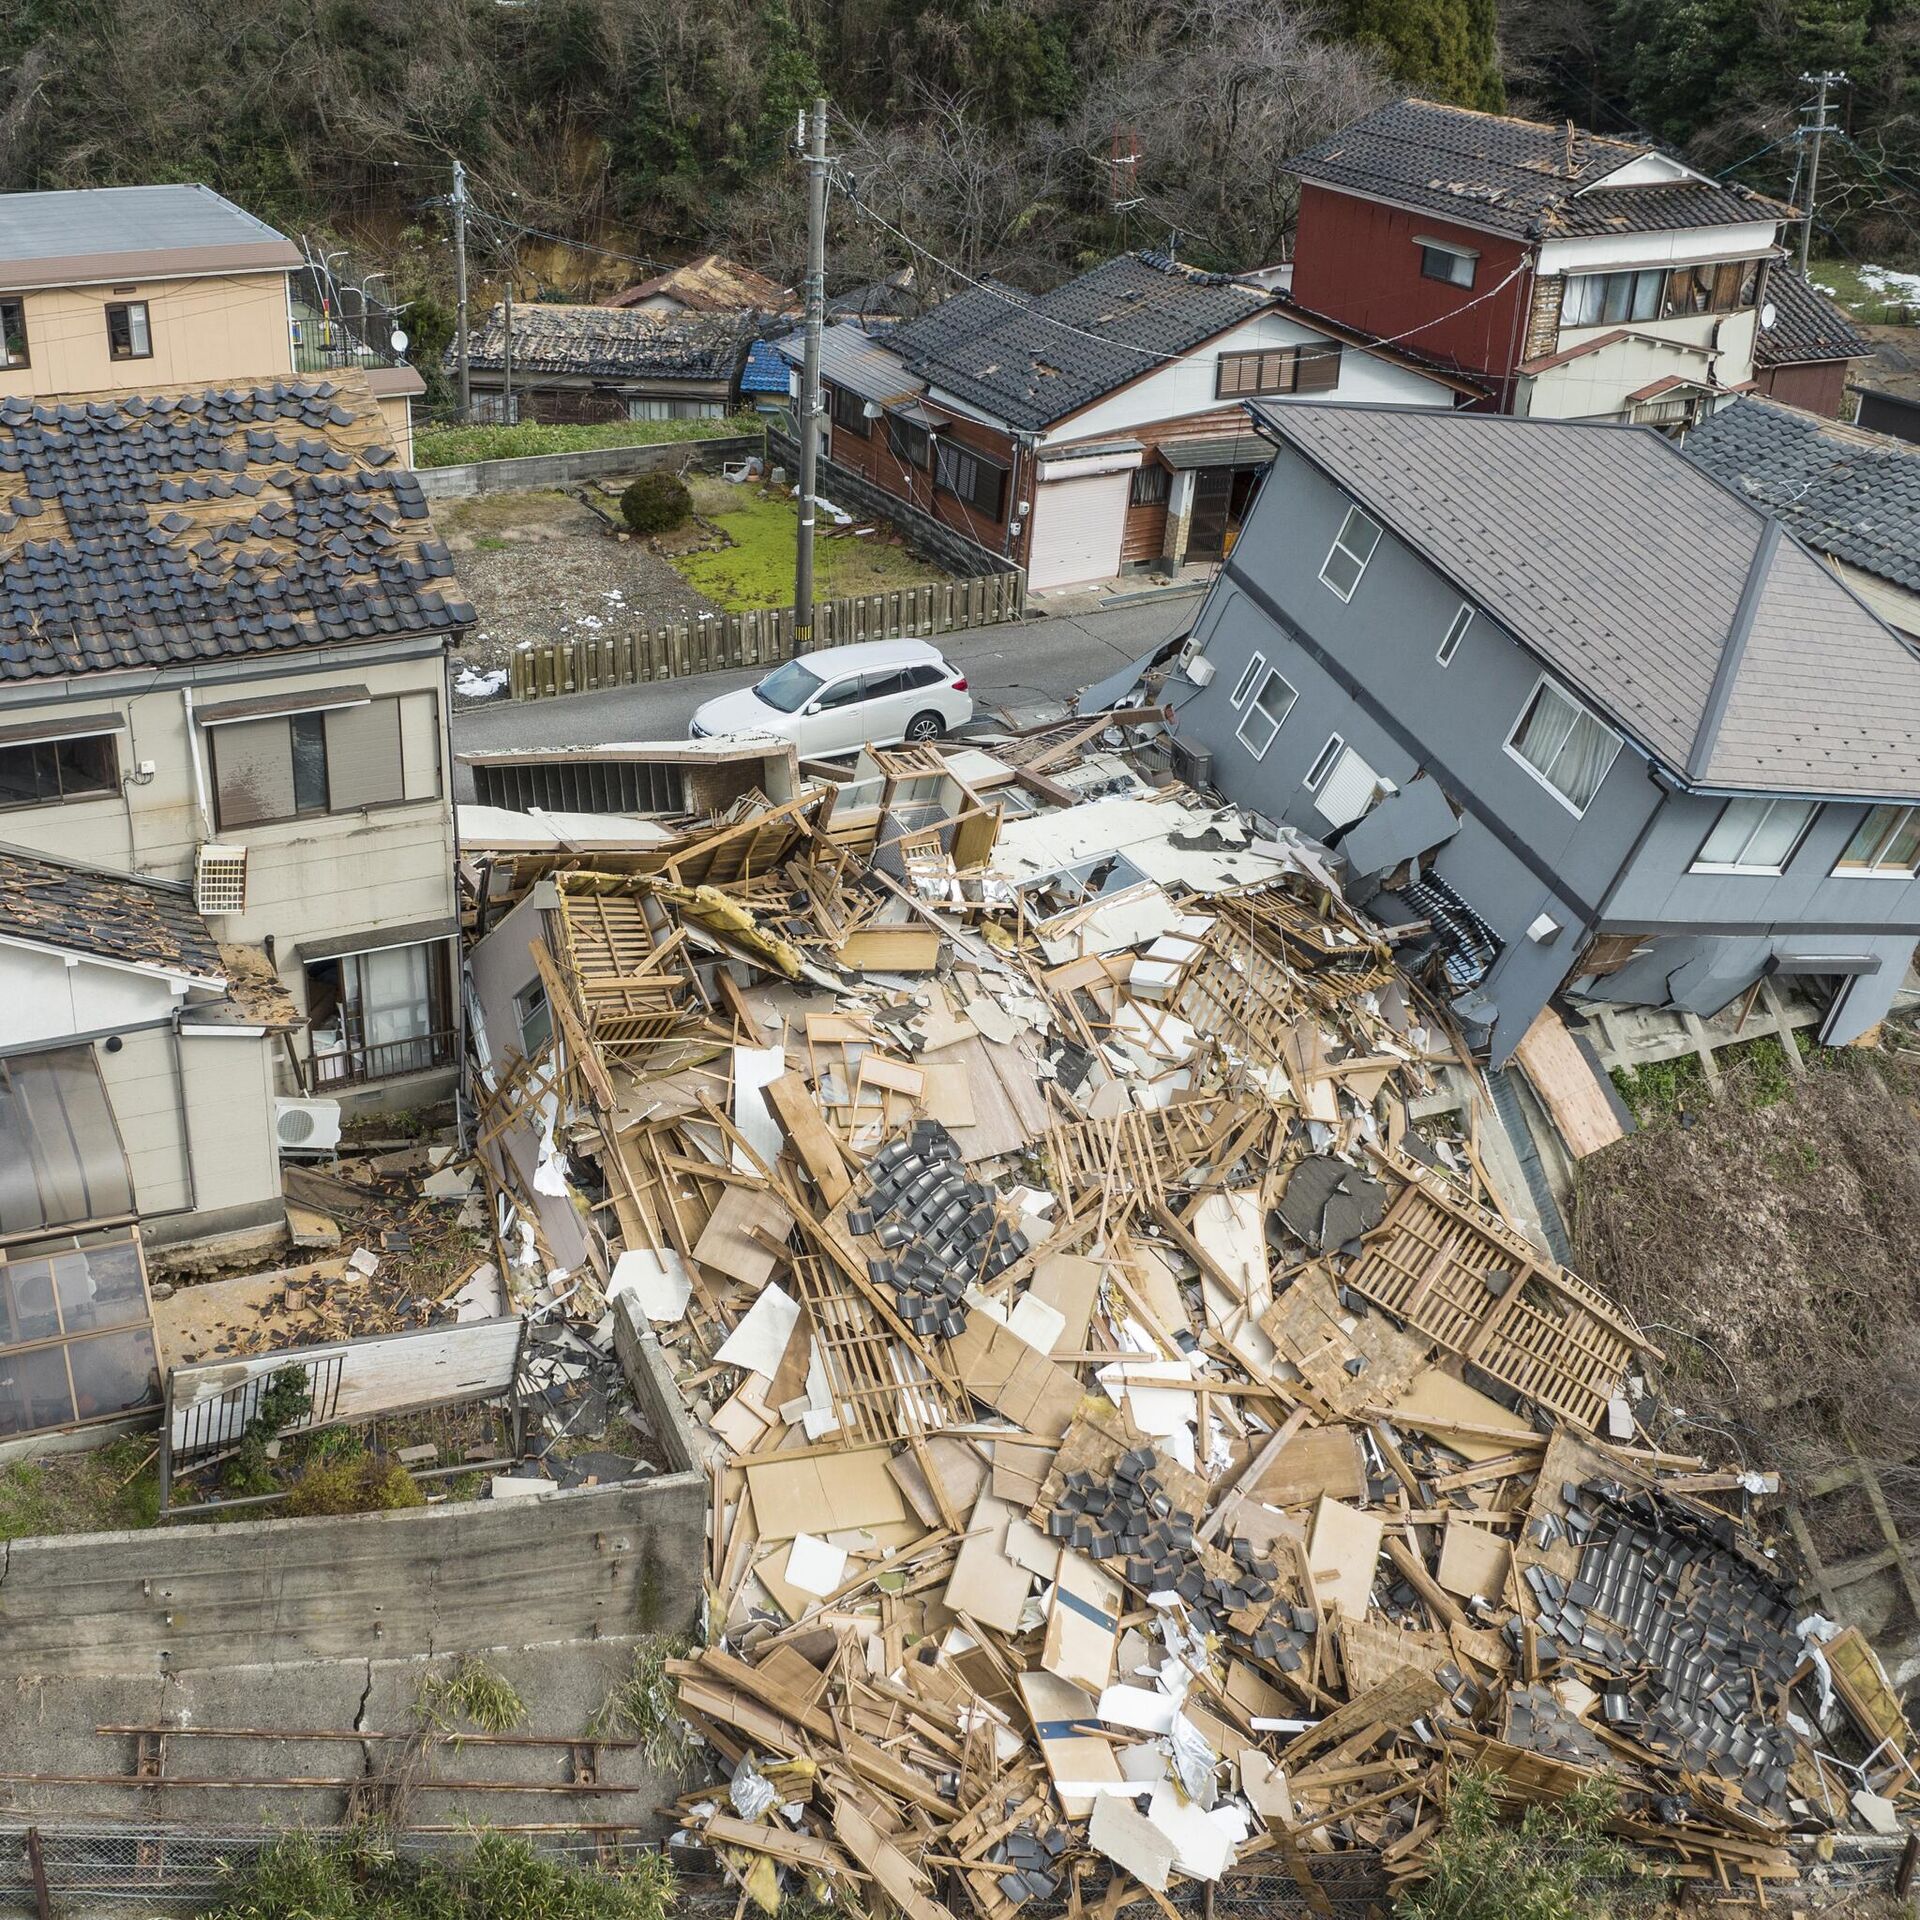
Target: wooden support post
<point>37,1866</point>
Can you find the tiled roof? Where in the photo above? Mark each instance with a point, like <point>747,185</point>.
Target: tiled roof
<point>958,318</point>
<point>1034,363</point>
<point>1806,325</point>
<point>1624,567</point>
<point>711,284</point>
<point>1521,177</point>
<point>144,529</point>
<point>1854,495</point>
<point>114,916</point>
<point>612,343</point>
<point>765,371</point>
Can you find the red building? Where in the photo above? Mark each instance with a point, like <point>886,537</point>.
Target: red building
<point>1576,276</point>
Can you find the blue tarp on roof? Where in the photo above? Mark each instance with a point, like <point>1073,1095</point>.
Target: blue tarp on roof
<point>765,371</point>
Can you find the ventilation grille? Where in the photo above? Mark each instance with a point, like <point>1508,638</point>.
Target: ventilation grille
<point>220,879</point>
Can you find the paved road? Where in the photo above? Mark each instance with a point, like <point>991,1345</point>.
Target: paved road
<point>1024,673</point>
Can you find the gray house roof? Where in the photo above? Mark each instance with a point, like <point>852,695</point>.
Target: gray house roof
<point>148,529</point>
<point>117,916</point>
<point>63,238</point>
<point>1806,325</point>
<point>853,358</point>
<point>1034,363</point>
<point>1852,494</point>
<point>1520,177</point>
<point>1729,653</point>
<point>611,343</point>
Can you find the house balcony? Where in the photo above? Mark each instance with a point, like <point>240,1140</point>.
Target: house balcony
<point>353,1065</point>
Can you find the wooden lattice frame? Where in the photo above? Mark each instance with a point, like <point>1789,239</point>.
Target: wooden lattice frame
<point>634,987</point>
<point>881,1390</point>
<point>1477,1289</point>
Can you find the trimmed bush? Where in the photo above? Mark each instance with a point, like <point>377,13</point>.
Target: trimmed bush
<point>656,503</point>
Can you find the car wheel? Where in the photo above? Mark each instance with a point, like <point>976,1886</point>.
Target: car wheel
<point>925,726</point>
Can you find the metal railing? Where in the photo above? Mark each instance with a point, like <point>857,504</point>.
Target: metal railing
<point>387,1060</point>
<point>209,1425</point>
<point>325,350</point>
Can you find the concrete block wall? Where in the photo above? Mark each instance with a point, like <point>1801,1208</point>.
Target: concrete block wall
<point>556,469</point>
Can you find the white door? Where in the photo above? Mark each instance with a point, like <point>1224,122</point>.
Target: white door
<point>1077,526</point>
<point>836,718</point>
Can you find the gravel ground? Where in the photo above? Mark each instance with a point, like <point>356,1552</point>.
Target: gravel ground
<point>538,568</point>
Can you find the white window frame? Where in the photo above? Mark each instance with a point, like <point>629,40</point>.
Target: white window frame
<point>1362,560</point>
<point>1323,761</point>
<point>1772,801</point>
<point>1456,632</point>
<point>1842,871</point>
<point>1244,686</point>
<point>1547,685</point>
<point>1255,708</point>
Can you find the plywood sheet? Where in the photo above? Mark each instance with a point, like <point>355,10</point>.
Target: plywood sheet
<point>1343,1546</point>
<point>824,1492</point>
<point>730,1242</point>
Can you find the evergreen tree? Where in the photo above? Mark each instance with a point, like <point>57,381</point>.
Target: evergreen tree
<point>1441,49</point>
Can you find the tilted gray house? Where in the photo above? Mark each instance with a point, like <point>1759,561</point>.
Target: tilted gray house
<point>1552,688</point>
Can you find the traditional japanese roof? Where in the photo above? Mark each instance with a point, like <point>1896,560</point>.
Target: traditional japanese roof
<point>1033,362</point>
<point>110,916</point>
<point>1853,494</point>
<point>1806,325</point>
<point>711,284</point>
<point>87,234</point>
<point>1679,609</point>
<point>143,529</point>
<point>611,343</point>
<point>765,370</point>
<point>1521,177</point>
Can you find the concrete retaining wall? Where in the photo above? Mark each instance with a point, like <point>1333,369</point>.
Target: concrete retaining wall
<point>947,547</point>
<point>595,1562</point>
<point>556,469</point>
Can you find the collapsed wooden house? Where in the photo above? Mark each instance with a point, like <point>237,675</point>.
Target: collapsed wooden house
<point>1148,1443</point>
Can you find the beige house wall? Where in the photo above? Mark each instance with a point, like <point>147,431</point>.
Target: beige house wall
<point>224,327</point>
<point>221,1159</point>
<point>396,409</point>
<point>319,878</point>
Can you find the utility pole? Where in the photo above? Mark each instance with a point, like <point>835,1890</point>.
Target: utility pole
<point>460,286</point>
<point>1823,81</point>
<point>506,361</point>
<point>816,159</point>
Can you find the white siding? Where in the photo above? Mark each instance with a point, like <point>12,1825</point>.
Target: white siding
<point>1189,386</point>
<point>42,998</point>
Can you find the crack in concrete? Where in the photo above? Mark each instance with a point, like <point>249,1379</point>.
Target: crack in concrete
<point>6,1559</point>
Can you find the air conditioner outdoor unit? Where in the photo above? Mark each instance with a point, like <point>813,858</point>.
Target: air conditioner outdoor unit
<point>306,1126</point>
<point>1192,764</point>
<point>220,879</point>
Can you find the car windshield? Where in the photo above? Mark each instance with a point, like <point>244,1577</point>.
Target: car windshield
<point>789,688</point>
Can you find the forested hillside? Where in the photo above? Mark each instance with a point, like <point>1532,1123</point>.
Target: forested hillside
<point>1025,136</point>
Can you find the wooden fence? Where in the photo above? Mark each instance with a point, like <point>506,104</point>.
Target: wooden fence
<point>706,642</point>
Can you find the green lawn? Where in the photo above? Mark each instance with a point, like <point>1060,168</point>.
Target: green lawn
<point>1871,307</point>
<point>757,570</point>
<point>456,446</point>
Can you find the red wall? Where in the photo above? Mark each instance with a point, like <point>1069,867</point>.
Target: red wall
<point>1356,260</point>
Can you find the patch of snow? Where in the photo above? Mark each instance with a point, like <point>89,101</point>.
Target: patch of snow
<point>483,685</point>
<point>1891,282</point>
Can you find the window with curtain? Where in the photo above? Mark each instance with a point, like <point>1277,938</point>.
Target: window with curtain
<point>1754,836</point>
<point>393,991</point>
<point>1564,746</point>
<point>1887,842</point>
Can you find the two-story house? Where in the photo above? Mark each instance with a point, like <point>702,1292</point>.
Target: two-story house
<point>1590,715</point>
<point>1100,425</point>
<point>170,287</point>
<point>223,619</point>
<point>1578,276</point>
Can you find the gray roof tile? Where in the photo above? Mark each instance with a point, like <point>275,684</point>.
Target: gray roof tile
<point>1852,494</point>
<point>126,551</point>
<point>118,916</point>
<point>613,343</point>
<point>1621,565</point>
<point>1521,177</point>
<point>1806,325</point>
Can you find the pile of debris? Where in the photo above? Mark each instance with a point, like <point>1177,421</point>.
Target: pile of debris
<point>1145,1437</point>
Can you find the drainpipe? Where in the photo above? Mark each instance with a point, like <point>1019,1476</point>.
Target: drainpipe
<point>180,1102</point>
<point>199,768</point>
<point>457,972</point>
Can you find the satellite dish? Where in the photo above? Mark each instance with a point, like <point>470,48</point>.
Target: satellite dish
<point>1768,315</point>
<point>398,341</point>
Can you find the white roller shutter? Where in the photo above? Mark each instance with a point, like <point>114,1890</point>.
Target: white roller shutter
<point>1077,526</point>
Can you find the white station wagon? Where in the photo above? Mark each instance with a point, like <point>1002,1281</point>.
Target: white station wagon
<point>876,694</point>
